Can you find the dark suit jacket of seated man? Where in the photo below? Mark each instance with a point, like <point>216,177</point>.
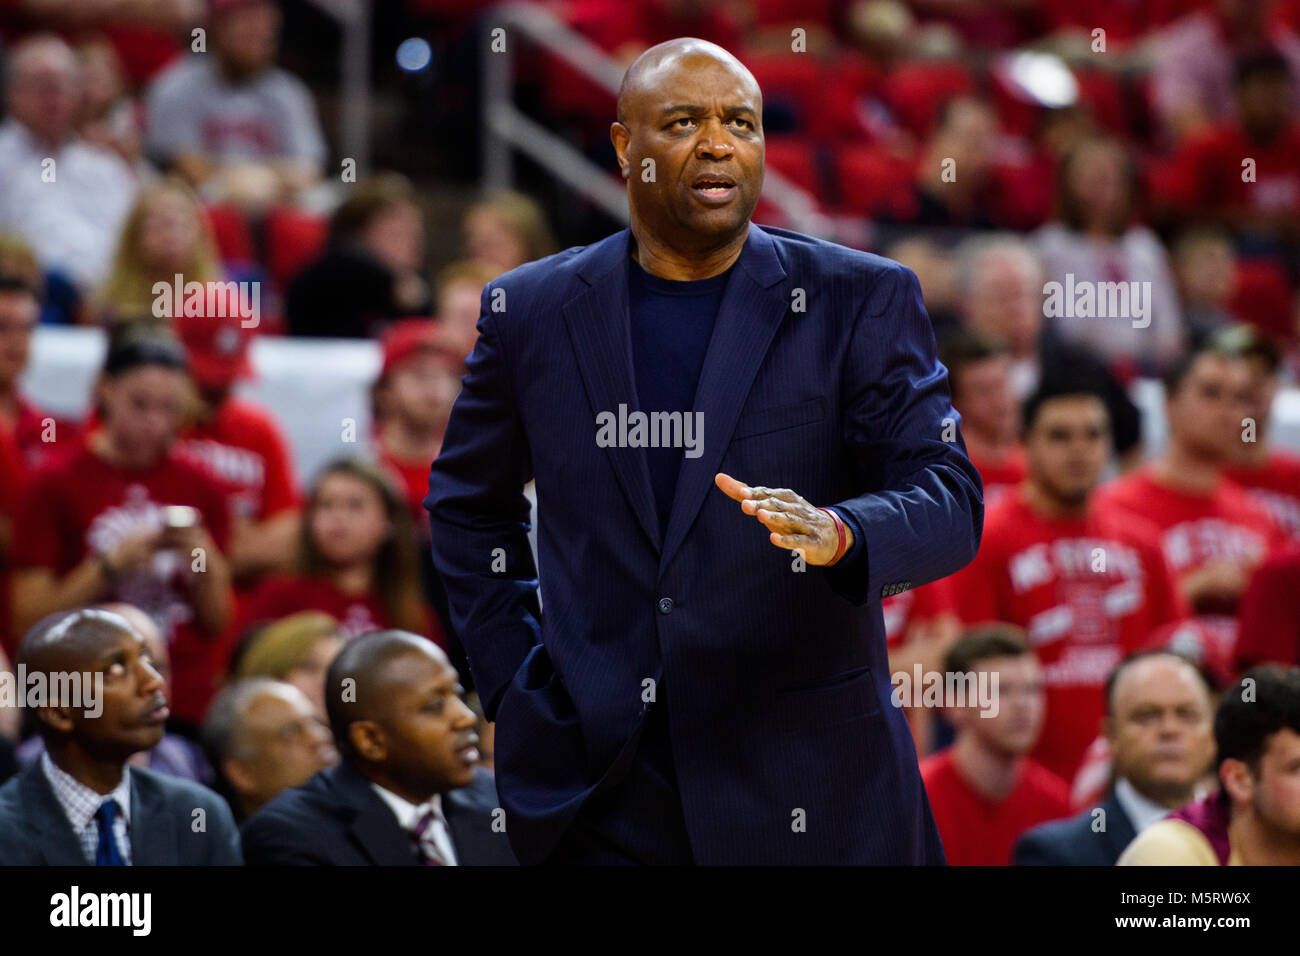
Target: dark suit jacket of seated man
<point>156,820</point>
<point>35,832</point>
<point>706,696</point>
<point>337,819</point>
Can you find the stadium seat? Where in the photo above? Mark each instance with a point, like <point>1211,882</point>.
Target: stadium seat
<point>870,180</point>
<point>791,91</point>
<point>916,91</point>
<point>293,239</point>
<point>795,157</point>
<point>233,234</point>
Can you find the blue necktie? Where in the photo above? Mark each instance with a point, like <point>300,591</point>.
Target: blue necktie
<point>107,853</point>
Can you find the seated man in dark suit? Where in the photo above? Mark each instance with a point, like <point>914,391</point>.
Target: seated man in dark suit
<point>407,791</point>
<point>1159,724</point>
<point>81,802</point>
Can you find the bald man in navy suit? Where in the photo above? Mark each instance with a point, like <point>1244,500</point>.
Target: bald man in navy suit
<point>741,441</point>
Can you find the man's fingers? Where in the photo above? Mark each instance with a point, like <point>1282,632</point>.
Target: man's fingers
<point>793,542</point>
<point>732,488</point>
<point>785,522</point>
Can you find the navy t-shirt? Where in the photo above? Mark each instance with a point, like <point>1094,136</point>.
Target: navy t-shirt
<point>672,322</point>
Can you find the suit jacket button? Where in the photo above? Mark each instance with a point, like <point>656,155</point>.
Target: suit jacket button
<point>665,605</point>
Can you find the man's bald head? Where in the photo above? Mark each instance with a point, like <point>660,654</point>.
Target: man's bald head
<point>66,640</point>
<point>373,662</point>
<point>649,70</point>
<point>689,142</point>
<point>403,724</point>
<point>44,86</point>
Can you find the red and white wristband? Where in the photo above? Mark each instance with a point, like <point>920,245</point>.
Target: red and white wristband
<point>840,534</point>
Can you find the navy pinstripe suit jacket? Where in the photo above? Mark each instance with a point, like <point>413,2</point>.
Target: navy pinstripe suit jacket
<point>821,377</point>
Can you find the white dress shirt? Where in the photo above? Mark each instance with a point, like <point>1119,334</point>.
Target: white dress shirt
<point>80,803</point>
<point>72,223</point>
<point>1142,811</point>
<point>408,817</point>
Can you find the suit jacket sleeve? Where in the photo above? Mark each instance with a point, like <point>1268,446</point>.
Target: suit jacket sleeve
<point>922,514</point>
<point>273,839</point>
<point>1036,848</point>
<point>476,505</point>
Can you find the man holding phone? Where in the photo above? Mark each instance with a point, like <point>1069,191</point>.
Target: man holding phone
<point>126,520</point>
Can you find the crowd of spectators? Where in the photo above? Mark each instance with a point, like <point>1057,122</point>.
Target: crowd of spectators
<point>1111,584</point>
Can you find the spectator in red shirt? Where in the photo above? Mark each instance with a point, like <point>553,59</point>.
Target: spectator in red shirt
<point>126,519</point>
<point>29,438</point>
<point>979,374</point>
<point>1270,476</point>
<point>1212,534</point>
<point>242,446</point>
<point>1086,583</point>
<point>412,399</point>
<point>984,792</point>
<point>357,559</point>
<point>1207,176</point>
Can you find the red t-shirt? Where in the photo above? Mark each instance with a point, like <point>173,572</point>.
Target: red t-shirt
<point>1206,173</point>
<point>31,441</point>
<point>87,506</point>
<point>978,832</point>
<point>1088,591</point>
<point>1001,476</point>
<point>1195,530</point>
<point>280,596</point>
<point>1276,488</point>
<point>244,449</point>
<point>1269,619</point>
<point>411,477</point>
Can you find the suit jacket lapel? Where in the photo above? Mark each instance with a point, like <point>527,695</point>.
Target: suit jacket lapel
<point>1119,832</point>
<point>50,828</point>
<point>601,330</point>
<point>465,825</point>
<point>751,310</point>
<point>373,827</point>
<point>153,835</point>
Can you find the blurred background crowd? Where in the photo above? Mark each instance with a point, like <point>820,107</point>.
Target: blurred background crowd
<point>993,146</point>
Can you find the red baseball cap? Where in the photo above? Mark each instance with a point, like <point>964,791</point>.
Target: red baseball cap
<point>409,337</point>
<point>217,348</point>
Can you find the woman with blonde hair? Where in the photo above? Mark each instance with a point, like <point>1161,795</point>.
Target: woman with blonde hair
<point>166,234</point>
<point>506,230</point>
<point>296,649</point>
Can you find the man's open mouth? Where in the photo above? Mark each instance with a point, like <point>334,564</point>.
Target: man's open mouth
<point>714,188</point>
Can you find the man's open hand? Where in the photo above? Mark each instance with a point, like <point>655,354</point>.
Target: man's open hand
<point>794,523</point>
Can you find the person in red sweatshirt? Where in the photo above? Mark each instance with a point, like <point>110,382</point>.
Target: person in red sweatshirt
<point>984,791</point>
<point>1271,477</point>
<point>1212,534</point>
<point>979,370</point>
<point>241,445</point>
<point>1088,584</point>
<point>126,519</point>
